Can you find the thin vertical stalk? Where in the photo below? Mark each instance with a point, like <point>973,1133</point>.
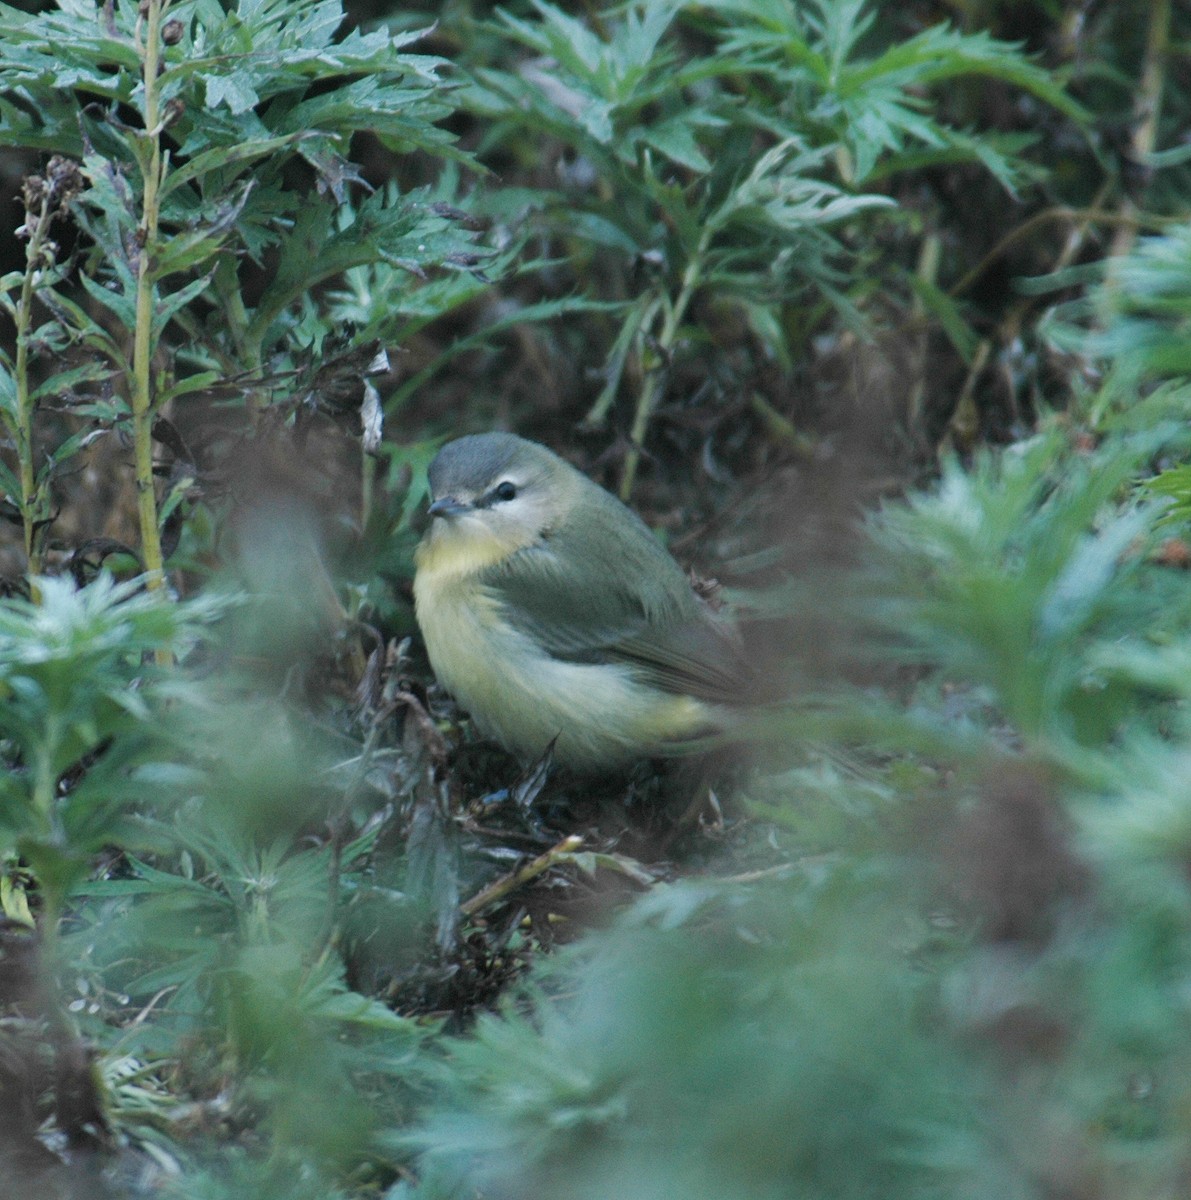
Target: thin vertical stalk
<point>1147,109</point>
<point>652,389</point>
<point>34,256</point>
<point>367,488</point>
<point>142,355</point>
<point>929,254</point>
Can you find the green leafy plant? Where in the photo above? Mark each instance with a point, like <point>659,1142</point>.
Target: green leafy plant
<point>722,172</point>
<point>191,129</point>
<point>640,1067</point>
<point>209,913</point>
<point>679,186</point>
<point>46,198</point>
<point>1132,326</point>
<point>1011,574</point>
<point>73,724</point>
<point>225,946</point>
<point>821,70</point>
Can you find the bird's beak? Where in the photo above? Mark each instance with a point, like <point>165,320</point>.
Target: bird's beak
<point>447,506</point>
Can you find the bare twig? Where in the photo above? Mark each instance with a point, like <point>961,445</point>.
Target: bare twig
<point>499,888</point>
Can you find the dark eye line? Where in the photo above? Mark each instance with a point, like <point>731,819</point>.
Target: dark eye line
<point>505,490</point>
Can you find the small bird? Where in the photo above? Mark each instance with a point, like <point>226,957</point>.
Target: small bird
<point>554,616</point>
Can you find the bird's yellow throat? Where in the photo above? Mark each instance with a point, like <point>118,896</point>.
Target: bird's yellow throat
<point>455,551</point>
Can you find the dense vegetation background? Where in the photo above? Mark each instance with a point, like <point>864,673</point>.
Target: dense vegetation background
<point>880,313</point>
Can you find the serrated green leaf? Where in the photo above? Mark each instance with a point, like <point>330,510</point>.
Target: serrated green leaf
<point>62,382</point>
<point>235,91</point>
<point>223,157</point>
<point>169,305</point>
<point>117,302</point>
<point>192,383</point>
<point>675,139</point>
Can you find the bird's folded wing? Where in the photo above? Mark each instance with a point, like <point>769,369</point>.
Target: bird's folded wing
<point>671,638</point>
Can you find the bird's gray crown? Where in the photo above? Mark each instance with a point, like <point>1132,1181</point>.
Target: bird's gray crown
<point>471,463</point>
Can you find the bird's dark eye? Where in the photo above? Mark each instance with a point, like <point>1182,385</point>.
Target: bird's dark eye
<point>504,491</point>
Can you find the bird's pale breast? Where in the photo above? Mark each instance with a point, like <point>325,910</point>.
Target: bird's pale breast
<point>525,698</point>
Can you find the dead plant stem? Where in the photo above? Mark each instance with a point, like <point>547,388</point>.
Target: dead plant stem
<point>506,884</point>
<point>25,405</point>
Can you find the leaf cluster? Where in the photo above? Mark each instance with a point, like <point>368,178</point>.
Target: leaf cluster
<point>73,724</point>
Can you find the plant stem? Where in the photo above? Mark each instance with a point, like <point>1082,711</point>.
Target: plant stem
<point>929,255</point>
<point>1085,217</point>
<point>652,390</point>
<point>24,427</point>
<point>45,779</point>
<point>142,355</point>
<point>231,301</point>
<point>780,427</point>
<point>1147,107</point>
<point>640,317</point>
<point>367,488</point>
<point>501,887</point>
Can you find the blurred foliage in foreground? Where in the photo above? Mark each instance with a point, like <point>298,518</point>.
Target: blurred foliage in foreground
<point>969,977</point>
<point>274,925</point>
